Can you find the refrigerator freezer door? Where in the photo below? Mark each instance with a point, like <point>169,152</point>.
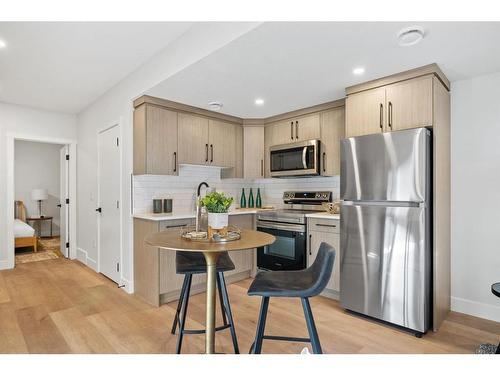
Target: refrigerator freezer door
<point>386,167</point>
<point>385,263</point>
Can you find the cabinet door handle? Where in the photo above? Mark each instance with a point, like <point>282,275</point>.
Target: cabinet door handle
<point>211,153</point>
<point>390,115</point>
<point>326,225</point>
<point>324,161</point>
<point>291,130</point>
<point>206,152</point>
<point>381,116</point>
<point>310,251</point>
<point>262,167</point>
<point>296,130</point>
<point>175,161</point>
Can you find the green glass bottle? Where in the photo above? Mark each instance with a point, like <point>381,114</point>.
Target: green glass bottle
<point>243,199</point>
<point>258,199</point>
<point>250,199</point>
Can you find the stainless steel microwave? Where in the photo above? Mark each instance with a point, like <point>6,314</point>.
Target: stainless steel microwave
<point>295,159</point>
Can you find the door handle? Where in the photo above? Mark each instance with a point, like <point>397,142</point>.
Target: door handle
<point>304,154</point>
<point>211,153</point>
<point>310,237</point>
<point>206,152</point>
<point>381,116</point>
<point>291,130</point>
<point>262,167</point>
<point>296,130</point>
<point>99,209</point>
<point>390,115</point>
<point>175,161</point>
<point>324,161</point>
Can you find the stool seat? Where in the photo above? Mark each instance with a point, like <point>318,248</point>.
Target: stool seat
<point>284,284</point>
<point>195,263</point>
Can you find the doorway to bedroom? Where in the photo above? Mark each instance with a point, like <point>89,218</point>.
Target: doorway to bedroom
<point>41,194</point>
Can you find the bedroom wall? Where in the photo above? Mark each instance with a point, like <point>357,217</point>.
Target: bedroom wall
<point>37,166</point>
<point>30,122</point>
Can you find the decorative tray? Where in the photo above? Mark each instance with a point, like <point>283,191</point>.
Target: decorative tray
<point>189,233</point>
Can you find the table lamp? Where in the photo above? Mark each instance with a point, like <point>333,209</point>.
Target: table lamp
<point>39,195</point>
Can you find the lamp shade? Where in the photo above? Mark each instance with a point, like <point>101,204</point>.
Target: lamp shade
<point>39,194</point>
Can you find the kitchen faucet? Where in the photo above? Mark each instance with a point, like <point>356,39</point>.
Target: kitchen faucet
<point>198,208</point>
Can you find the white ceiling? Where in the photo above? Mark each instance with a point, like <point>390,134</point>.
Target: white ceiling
<point>295,65</point>
<point>66,66</point>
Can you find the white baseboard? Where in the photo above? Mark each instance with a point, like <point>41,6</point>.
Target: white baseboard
<point>129,286</point>
<point>83,257</point>
<point>479,309</point>
<point>5,265</point>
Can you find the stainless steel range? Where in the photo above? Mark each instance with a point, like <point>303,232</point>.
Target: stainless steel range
<point>289,251</point>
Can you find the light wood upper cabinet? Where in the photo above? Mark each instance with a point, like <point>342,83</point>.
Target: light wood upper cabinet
<point>237,171</point>
<point>365,112</point>
<point>193,139</point>
<point>253,152</point>
<point>306,127</point>
<point>409,104</point>
<point>222,143</point>
<point>332,131</point>
<point>155,140</point>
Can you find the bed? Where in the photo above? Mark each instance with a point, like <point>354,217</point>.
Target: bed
<point>24,235</point>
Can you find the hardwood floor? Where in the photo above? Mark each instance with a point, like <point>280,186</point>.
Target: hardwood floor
<point>61,306</point>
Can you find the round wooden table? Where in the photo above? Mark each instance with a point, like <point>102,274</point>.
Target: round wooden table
<point>211,250</point>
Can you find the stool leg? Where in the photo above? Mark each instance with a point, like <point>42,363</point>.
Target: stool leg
<point>179,305</point>
<point>184,313</point>
<point>227,306</point>
<point>261,325</point>
<point>311,327</point>
<point>221,299</point>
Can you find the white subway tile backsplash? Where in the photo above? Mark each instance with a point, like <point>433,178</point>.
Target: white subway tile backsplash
<point>182,188</point>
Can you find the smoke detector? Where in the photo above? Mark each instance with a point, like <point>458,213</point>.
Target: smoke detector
<point>215,106</point>
<point>410,36</point>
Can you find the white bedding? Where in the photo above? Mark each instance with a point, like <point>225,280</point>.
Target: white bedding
<point>21,229</point>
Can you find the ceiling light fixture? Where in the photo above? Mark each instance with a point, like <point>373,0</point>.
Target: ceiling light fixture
<point>215,106</point>
<point>2,44</point>
<point>259,101</point>
<point>410,36</point>
<point>358,71</point>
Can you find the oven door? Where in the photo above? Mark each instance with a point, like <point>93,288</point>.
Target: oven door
<point>288,252</point>
<point>295,159</point>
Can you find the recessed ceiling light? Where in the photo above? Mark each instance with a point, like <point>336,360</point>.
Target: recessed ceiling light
<point>259,101</point>
<point>410,36</point>
<point>2,44</point>
<point>215,106</point>
<point>358,71</point>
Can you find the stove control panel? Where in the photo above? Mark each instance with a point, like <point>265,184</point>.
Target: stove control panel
<point>307,197</point>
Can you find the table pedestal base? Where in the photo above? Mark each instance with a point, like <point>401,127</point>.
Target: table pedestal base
<point>211,259</point>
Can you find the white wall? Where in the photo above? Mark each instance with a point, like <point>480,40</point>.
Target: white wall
<point>199,41</point>
<point>28,122</point>
<point>475,172</point>
<point>37,166</point>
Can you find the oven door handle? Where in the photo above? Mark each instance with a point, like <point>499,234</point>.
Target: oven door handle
<point>304,154</point>
<point>282,226</point>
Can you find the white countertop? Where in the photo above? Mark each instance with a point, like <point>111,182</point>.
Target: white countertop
<point>323,215</point>
<point>189,215</point>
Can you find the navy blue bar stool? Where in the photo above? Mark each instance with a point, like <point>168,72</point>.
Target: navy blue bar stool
<point>189,264</point>
<point>302,284</point>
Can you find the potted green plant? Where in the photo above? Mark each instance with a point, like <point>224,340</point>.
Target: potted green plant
<point>217,206</point>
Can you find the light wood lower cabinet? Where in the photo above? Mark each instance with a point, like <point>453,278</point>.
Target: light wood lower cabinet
<point>325,230</point>
<point>155,279</point>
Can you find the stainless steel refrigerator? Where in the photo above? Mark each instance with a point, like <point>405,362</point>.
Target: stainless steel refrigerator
<point>385,227</point>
